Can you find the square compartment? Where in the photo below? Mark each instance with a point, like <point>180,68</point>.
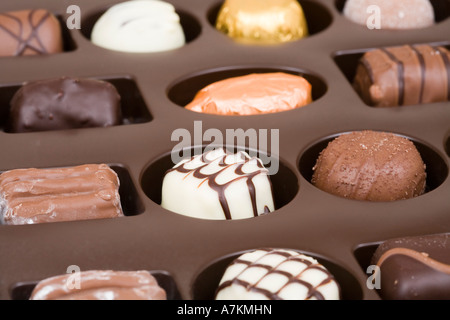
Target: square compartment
<point>347,60</point>
<point>133,107</point>
<point>129,198</point>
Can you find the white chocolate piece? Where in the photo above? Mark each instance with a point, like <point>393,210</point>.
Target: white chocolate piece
<point>395,15</point>
<point>277,274</point>
<point>218,186</point>
<point>139,26</point>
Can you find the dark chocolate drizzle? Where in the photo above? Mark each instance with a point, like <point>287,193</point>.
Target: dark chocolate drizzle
<point>25,43</point>
<point>313,292</point>
<point>422,71</point>
<point>446,61</point>
<point>401,75</point>
<point>221,188</point>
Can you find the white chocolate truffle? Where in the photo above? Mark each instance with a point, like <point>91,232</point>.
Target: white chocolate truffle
<point>277,274</point>
<point>397,14</point>
<point>139,26</point>
<point>218,185</point>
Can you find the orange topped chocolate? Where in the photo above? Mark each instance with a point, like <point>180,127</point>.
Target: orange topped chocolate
<point>253,94</point>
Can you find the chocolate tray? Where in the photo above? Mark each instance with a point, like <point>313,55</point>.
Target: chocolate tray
<point>189,255</point>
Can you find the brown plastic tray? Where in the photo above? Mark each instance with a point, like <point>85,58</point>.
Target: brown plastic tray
<point>189,255</point>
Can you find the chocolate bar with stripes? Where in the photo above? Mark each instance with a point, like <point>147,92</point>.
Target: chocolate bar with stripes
<point>404,75</point>
<point>30,196</point>
<point>414,268</point>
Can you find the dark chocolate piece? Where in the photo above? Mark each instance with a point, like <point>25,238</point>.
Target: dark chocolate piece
<point>64,103</point>
<point>414,268</point>
<point>405,75</point>
<point>29,32</point>
<point>29,196</point>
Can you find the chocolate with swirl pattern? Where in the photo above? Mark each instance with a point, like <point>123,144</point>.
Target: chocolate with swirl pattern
<point>29,32</point>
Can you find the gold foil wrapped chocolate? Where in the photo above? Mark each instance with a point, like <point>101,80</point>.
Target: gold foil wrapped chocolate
<point>262,21</point>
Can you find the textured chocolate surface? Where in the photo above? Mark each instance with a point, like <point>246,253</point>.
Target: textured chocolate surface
<point>29,32</point>
<point>64,103</point>
<point>370,165</point>
<point>262,21</point>
<point>405,75</point>
<point>277,274</point>
<point>29,196</point>
<point>253,94</point>
<point>415,268</point>
<point>100,285</point>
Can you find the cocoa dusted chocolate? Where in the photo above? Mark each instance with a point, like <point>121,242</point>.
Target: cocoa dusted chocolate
<point>29,32</point>
<point>218,185</point>
<point>100,285</point>
<point>414,268</point>
<point>404,75</point>
<point>31,196</point>
<point>262,21</point>
<point>370,165</point>
<point>256,93</point>
<point>64,103</point>
<point>277,274</point>
<point>393,15</point>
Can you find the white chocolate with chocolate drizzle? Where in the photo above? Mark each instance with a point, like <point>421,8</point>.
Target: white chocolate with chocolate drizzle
<point>218,185</point>
<point>277,274</point>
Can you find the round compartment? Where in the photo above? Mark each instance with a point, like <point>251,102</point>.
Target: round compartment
<point>436,167</point>
<point>285,184</point>
<point>441,9</point>
<point>183,91</point>
<point>318,18</point>
<point>191,26</point>
<point>207,281</point>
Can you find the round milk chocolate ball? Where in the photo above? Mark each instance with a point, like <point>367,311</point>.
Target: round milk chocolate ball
<point>372,166</point>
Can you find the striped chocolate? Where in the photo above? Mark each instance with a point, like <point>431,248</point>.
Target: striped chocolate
<point>277,274</point>
<point>404,75</point>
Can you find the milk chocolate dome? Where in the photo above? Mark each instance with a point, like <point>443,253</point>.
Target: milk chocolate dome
<point>369,165</point>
